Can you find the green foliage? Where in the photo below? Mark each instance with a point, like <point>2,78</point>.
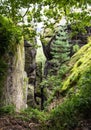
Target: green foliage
<point>12,8</point>
<point>77,103</point>
<point>34,114</point>
<point>49,82</point>
<point>35,11</point>
<point>81,62</point>
<point>61,49</point>
<point>67,115</point>
<point>75,108</point>
<point>76,48</point>
<point>9,35</point>
<point>29,33</point>
<point>9,109</point>
<point>75,19</point>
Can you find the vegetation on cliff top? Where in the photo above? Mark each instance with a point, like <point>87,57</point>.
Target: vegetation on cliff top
<point>9,35</point>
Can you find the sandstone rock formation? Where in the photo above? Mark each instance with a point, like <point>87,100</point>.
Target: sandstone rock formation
<point>15,83</point>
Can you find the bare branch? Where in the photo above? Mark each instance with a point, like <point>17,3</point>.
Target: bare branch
<point>26,12</point>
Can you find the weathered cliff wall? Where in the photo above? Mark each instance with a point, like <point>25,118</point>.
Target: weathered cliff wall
<point>34,73</point>
<point>30,68</point>
<point>15,83</point>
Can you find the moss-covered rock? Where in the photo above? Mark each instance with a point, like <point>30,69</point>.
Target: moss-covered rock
<point>80,66</point>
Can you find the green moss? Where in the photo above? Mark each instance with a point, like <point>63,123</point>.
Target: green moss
<point>80,63</point>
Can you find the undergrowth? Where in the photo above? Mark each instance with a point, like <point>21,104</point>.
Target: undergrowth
<point>9,109</point>
<point>32,114</point>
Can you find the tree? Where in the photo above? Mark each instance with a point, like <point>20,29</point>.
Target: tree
<point>60,49</point>
<point>12,8</point>
<point>42,11</point>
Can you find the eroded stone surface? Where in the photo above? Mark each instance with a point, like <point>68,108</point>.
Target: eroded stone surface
<point>15,89</point>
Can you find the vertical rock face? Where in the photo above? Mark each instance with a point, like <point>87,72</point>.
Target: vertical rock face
<point>15,89</point>
<point>30,65</point>
<point>30,68</point>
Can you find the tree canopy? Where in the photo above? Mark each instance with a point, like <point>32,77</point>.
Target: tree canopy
<point>12,8</point>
